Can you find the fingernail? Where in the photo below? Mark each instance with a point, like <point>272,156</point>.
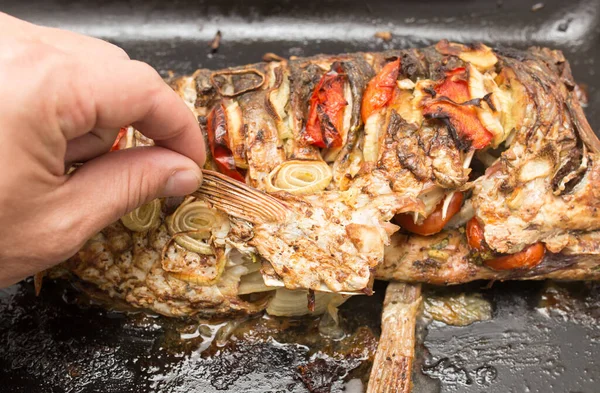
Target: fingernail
<point>183,182</point>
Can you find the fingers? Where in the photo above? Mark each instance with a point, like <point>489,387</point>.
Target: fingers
<point>107,187</point>
<point>99,88</point>
<point>90,145</point>
<point>125,92</point>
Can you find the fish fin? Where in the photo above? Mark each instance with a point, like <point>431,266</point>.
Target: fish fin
<point>239,200</point>
<point>393,361</point>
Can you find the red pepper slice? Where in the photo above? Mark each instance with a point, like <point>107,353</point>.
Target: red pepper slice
<point>450,94</point>
<point>326,113</point>
<point>219,143</point>
<point>475,235</point>
<point>463,119</point>
<point>528,258</point>
<point>380,89</point>
<point>120,135</point>
<point>454,86</point>
<point>434,223</point>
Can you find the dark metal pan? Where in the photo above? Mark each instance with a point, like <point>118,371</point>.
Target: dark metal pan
<point>542,338</point>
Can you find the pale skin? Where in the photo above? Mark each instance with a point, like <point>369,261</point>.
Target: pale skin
<point>63,98</point>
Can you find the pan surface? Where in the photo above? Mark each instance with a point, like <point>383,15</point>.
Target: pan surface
<point>543,337</point>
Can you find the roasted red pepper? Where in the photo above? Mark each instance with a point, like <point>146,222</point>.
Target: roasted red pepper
<point>528,258</point>
<point>463,119</point>
<point>219,143</point>
<point>120,135</point>
<point>380,89</point>
<point>454,86</point>
<point>434,223</point>
<point>475,235</point>
<point>451,95</point>
<point>326,113</point>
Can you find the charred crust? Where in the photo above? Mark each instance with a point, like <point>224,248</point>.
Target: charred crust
<point>326,125</point>
<point>260,136</point>
<point>206,93</point>
<point>412,63</point>
<point>459,143</point>
<point>572,164</point>
<point>426,264</point>
<point>411,156</point>
<point>242,79</point>
<point>580,124</point>
<point>570,185</point>
<point>506,187</point>
<point>358,73</point>
<point>278,80</point>
<point>269,108</point>
<point>488,99</point>
<point>512,53</point>
<point>430,91</point>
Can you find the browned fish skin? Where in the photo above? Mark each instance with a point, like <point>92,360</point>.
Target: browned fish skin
<point>545,183</point>
<point>541,188</point>
<point>128,266</point>
<point>445,259</point>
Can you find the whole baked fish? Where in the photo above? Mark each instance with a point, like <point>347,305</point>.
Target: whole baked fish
<point>348,150</point>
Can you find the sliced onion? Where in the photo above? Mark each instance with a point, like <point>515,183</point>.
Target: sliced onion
<point>235,132</point>
<point>143,218</point>
<point>466,212</point>
<point>279,97</point>
<point>130,140</point>
<point>329,155</point>
<point>487,117</point>
<point>431,198</point>
<point>231,278</point>
<point>253,283</point>
<point>405,84</point>
<point>291,303</point>
<point>299,177</point>
<point>482,57</point>
<point>446,204</point>
<point>373,128</point>
<point>468,158</point>
<point>192,224</point>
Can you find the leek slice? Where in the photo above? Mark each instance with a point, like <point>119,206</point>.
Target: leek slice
<point>143,218</point>
<point>292,303</point>
<point>300,177</point>
<point>193,223</point>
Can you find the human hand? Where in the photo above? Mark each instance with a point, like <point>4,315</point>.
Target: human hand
<point>63,98</point>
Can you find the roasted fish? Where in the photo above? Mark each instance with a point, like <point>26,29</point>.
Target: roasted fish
<point>480,161</point>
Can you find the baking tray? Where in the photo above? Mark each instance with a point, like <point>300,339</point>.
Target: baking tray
<point>543,337</point>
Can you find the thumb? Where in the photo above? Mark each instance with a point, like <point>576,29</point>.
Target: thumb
<point>106,188</point>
